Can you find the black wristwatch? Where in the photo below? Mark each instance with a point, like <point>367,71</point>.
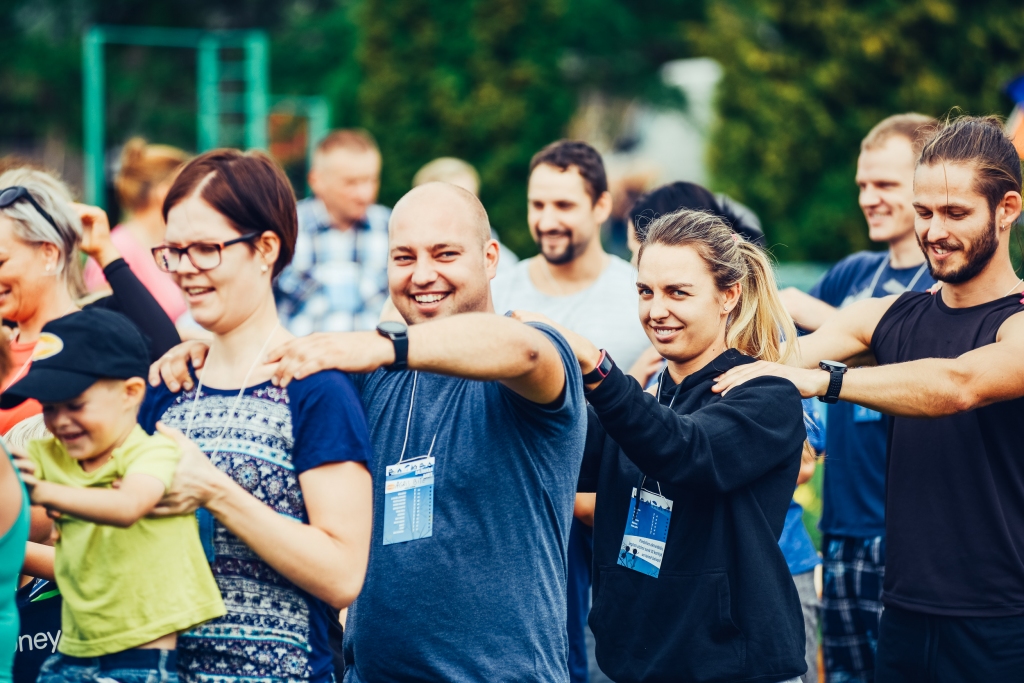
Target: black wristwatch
<point>836,371</point>
<point>398,333</point>
<point>604,366</point>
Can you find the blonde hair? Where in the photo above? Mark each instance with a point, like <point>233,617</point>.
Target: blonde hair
<point>143,167</point>
<point>759,323</point>
<point>915,128</point>
<point>54,196</point>
<point>30,429</point>
<point>444,170</point>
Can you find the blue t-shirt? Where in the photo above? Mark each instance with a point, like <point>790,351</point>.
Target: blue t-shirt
<point>483,598</point>
<point>273,629</point>
<point>854,488</point>
<point>795,542</point>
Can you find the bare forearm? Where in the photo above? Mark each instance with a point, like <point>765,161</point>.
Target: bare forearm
<point>480,346</point>
<point>931,387</point>
<point>307,556</point>
<point>38,561</point>
<point>806,311</point>
<point>113,507</point>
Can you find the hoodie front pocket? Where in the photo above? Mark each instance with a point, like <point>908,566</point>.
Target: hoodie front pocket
<point>677,627</point>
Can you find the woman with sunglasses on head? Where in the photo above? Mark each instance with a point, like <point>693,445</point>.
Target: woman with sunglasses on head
<point>693,486</point>
<point>278,475</point>
<point>41,230</point>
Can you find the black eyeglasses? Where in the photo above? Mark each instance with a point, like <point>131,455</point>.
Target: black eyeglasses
<point>10,195</point>
<point>203,255</point>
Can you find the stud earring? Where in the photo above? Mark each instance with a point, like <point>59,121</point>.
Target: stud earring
<point>49,267</point>
<point>265,268</point>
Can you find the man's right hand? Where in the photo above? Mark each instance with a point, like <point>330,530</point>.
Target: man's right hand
<point>172,367</point>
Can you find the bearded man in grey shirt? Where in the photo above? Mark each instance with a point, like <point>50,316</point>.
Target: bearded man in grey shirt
<point>577,284</point>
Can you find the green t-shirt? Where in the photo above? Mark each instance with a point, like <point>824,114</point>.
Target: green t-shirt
<point>126,587</point>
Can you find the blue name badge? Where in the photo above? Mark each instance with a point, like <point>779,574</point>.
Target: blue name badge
<point>643,543</point>
<point>409,500</point>
<point>862,414</point>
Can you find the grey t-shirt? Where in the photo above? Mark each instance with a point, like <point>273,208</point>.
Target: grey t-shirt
<point>605,313</point>
<point>483,598</point>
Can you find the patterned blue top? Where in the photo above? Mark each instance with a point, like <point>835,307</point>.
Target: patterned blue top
<point>273,630</point>
<point>338,279</point>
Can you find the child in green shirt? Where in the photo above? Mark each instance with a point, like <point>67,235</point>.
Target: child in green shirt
<point>130,582</point>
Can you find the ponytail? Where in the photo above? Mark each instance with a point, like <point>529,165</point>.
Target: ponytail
<point>759,324</point>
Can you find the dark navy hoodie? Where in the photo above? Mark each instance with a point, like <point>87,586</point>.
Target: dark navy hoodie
<point>724,606</point>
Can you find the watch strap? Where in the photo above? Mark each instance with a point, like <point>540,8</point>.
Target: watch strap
<point>401,343</point>
<point>835,384</point>
<point>601,370</point>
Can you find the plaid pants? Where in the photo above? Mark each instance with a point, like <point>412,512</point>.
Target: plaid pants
<point>851,607</point>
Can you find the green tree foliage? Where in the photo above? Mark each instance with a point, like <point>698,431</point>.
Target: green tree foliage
<point>806,79</point>
<point>461,78</point>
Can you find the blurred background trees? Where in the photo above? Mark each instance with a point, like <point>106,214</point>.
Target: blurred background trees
<point>494,80</point>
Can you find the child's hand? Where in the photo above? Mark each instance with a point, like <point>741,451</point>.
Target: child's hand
<point>27,469</point>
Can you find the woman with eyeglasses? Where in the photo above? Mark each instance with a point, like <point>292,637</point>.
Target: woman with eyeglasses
<point>41,231</point>
<point>278,475</point>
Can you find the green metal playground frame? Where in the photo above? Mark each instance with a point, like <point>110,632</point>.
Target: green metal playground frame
<point>254,100</point>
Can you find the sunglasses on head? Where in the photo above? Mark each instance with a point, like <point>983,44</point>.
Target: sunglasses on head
<point>10,195</point>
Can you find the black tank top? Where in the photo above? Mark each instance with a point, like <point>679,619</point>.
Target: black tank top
<point>954,515</point>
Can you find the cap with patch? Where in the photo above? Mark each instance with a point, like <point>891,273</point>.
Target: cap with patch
<point>75,351</point>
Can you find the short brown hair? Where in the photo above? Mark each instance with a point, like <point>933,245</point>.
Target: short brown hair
<point>981,142</point>
<point>565,153</point>
<point>144,166</point>
<point>249,189</point>
<point>354,139</point>
<point>915,128</point>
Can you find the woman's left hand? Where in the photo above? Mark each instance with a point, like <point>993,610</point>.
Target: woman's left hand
<point>196,480</point>
<point>96,240</point>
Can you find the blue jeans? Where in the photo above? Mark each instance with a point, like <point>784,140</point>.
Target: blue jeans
<point>130,666</point>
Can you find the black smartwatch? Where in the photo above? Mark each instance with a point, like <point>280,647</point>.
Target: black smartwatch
<point>836,371</point>
<point>398,333</point>
<point>604,366</point>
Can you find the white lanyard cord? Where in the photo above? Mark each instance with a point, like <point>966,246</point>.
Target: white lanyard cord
<point>881,269</point>
<point>408,420</point>
<point>238,399</point>
<point>920,272</point>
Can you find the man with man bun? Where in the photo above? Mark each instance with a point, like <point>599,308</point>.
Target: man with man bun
<point>853,510</point>
<point>951,371</point>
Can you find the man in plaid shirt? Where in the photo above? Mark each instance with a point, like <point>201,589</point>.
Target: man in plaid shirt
<point>337,281</point>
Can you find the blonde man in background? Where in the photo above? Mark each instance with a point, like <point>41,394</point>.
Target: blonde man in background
<point>337,281</point>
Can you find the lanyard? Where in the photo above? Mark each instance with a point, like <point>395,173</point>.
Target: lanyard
<point>642,478</point>
<point>238,399</point>
<point>881,269</point>
<point>408,420</point>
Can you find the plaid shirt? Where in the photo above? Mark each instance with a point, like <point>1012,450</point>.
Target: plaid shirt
<point>337,280</point>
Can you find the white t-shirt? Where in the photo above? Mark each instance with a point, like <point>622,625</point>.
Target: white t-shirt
<point>605,312</point>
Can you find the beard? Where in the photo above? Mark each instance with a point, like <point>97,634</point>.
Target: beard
<point>976,257</point>
<point>567,255</point>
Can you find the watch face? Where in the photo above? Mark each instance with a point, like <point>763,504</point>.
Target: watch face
<point>390,327</point>
<point>832,366</point>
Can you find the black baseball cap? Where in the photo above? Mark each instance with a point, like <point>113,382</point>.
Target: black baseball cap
<point>75,351</point>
